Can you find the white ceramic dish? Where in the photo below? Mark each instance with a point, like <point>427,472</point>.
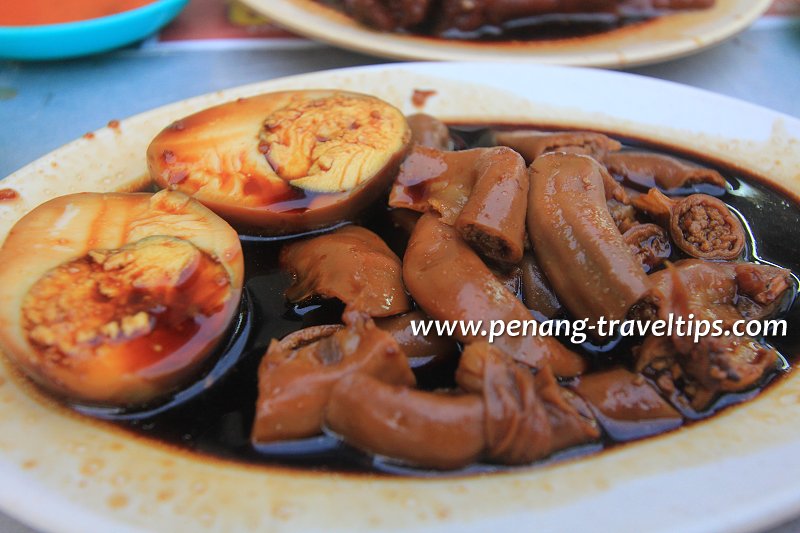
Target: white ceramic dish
<point>738,471</point>
<point>664,38</point>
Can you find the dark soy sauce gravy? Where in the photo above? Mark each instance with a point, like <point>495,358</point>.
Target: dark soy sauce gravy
<point>213,416</point>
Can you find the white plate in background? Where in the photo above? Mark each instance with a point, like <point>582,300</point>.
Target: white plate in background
<point>667,37</point>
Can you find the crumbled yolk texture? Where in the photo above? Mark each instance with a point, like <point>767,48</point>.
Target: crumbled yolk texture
<point>331,144</point>
<point>124,309</point>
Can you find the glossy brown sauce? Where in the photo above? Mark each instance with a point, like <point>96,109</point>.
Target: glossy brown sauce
<point>213,417</point>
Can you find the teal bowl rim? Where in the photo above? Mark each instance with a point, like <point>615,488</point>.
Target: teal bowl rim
<point>92,23</point>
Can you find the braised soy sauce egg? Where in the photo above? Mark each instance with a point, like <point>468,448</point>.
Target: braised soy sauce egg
<point>117,299</point>
<point>285,162</point>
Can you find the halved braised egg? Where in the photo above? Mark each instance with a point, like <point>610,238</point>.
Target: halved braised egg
<point>117,299</point>
<point>284,162</point>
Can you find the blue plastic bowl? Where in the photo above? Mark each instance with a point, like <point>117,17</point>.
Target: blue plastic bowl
<point>73,39</point>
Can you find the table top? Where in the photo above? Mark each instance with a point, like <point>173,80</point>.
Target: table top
<point>44,105</point>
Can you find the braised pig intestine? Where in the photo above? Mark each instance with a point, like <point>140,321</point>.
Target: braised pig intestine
<point>506,416</point>
<point>449,281</point>
<point>527,418</point>
<point>493,219</point>
<point>429,131</point>
<point>421,349</point>
<point>576,241</point>
<point>703,226</point>
<point>699,290</point>
<point>649,244</point>
<point>482,192</point>
<point>531,144</point>
<point>627,406</point>
<point>537,293</point>
<point>427,429</point>
<point>435,180</point>
<point>624,214</point>
<point>351,264</point>
<point>656,170</point>
<point>700,225</point>
<point>723,291</point>
<point>296,375</point>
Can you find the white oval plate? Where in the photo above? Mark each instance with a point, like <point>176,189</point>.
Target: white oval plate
<point>664,38</point>
<point>738,471</point>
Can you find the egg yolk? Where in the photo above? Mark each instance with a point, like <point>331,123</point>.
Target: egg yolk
<point>126,309</point>
<point>330,144</point>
